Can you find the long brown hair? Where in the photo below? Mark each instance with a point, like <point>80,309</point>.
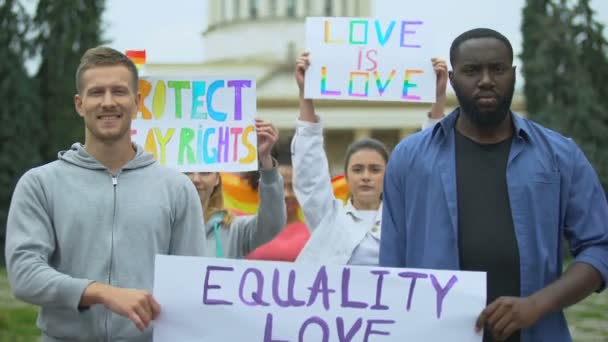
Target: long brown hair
<point>216,204</point>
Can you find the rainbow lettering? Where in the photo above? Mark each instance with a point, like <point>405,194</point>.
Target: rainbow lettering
<point>202,124</point>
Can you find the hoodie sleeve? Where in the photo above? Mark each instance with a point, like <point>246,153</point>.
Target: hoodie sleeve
<point>30,243</point>
<point>188,230</point>
<point>271,217</point>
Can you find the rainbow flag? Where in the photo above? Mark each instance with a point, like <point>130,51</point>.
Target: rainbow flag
<point>243,200</point>
<point>138,57</point>
<point>340,187</point>
<point>238,194</point>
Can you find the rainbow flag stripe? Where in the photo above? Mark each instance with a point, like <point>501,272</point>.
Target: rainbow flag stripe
<point>243,200</point>
<point>138,57</point>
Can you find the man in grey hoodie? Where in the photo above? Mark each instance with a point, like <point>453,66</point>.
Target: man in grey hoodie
<point>83,231</point>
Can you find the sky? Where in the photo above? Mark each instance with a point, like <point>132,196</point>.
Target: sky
<point>171,31</point>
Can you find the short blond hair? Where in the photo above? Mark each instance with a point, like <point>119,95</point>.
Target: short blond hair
<point>105,56</point>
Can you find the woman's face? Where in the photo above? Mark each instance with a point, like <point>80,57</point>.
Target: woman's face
<point>204,182</point>
<point>365,175</point>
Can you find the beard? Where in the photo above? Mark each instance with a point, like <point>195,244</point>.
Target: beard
<point>482,117</point>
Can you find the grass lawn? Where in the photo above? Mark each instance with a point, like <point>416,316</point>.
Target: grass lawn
<point>17,319</point>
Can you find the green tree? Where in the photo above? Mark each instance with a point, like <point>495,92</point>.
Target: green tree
<point>66,30</point>
<point>565,65</point>
<point>20,119</point>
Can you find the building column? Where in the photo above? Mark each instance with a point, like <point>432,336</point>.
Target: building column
<point>281,9</point>
<point>317,8</point>
<point>244,13</point>
<point>264,8</point>
<point>212,10</point>
<point>301,8</point>
<point>360,133</point>
<point>360,8</point>
<point>405,132</point>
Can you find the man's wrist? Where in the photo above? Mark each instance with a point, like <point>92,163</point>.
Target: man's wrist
<point>91,295</point>
<point>541,304</point>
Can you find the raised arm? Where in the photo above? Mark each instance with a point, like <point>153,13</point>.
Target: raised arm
<point>311,177</point>
<point>307,108</point>
<point>437,111</point>
<point>271,217</point>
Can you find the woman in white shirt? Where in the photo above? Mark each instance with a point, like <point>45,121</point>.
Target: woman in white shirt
<point>343,234</point>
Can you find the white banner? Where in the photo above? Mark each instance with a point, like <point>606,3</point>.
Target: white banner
<point>370,59</point>
<point>198,124</point>
<point>209,299</point>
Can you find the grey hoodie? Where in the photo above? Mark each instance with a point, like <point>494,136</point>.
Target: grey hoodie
<point>72,222</point>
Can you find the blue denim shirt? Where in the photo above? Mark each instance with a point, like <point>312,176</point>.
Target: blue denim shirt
<point>553,192</point>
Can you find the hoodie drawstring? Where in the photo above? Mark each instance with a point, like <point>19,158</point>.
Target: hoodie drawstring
<point>219,253</point>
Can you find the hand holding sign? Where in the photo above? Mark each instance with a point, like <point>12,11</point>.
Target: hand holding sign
<point>506,315</point>
<point>137,305</point>
<point>302,64</point>
<point>441,71</point>
<point>267,137</point>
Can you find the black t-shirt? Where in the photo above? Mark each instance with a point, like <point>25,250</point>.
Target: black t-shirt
<point>486,236</point>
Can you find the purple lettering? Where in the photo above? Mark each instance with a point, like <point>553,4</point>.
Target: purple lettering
<point>414,276</point>
<point>351,332</point>
<point>291,301</point>
<point>369,329</point>
<point>320,286</point>
<point>238,106</point>
<point>268,330</point>
<point>346,302</point>
<point>258,293</point>
<point>442,292</point>
<point>223,144</point>
<point>380,275</point>
<point>208,287</point>
<point>404,32</point>
<point>318,321</point>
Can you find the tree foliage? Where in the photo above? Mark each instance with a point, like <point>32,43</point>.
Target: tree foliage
<point>66,29</point>
<point>565,65</point>
<point>21,134</point>
<point>37,116</point>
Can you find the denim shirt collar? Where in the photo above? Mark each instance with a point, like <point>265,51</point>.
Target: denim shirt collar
<point>444,127</point>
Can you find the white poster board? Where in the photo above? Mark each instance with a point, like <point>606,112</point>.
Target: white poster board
<point>209,299</point>
<point>369,59</point>
<point>198,124</point>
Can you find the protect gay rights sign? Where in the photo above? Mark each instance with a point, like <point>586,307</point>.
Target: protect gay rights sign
<point>369,59</point>
<point>198,124</point>
<point>208,299</point>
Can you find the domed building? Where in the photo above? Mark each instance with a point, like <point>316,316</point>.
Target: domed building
<point>263,38</point>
